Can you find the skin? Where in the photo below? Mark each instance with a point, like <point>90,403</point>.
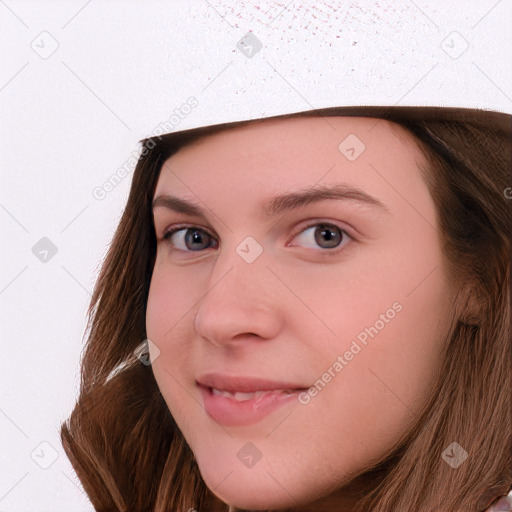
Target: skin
<point>291,313</point>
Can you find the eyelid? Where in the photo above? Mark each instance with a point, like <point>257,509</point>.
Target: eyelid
<point>173,228</point>
<point>302,227</point>
<point>312,223</point>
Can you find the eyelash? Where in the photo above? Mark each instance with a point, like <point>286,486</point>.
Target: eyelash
<point>324,252</point>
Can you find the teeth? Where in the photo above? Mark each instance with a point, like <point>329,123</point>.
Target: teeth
<point>243,397</point>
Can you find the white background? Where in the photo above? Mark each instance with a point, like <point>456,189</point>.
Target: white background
<point>71,118</point>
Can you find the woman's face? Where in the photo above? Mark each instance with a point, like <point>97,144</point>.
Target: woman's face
<point>340,298</point>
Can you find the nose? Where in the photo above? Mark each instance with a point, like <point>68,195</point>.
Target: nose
<point>242,301</point>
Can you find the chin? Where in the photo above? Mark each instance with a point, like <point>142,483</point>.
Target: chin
<point>254,499</point>
<point>247,490</point>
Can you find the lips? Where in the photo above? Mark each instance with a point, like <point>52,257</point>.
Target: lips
<point>243,397</point>
<point>245,384</point>
<point>237,401</point>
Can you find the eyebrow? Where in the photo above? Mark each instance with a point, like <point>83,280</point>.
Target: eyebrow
<point>281,203</point>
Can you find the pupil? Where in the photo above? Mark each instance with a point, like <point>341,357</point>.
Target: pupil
<point>326,234</point>
<point>193,236</point>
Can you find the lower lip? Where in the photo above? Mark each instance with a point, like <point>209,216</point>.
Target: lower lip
<point>230,413</point>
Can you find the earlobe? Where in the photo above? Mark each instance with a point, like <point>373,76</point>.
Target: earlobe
<point>469,305</point>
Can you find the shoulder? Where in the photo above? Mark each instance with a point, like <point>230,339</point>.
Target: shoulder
<point>503,505</point>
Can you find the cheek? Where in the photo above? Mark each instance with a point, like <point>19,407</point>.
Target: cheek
<point>375,399</point>
<point>159,307</point>
<point>391,370</point>
<point>168,329</point>
<point>169,302</point>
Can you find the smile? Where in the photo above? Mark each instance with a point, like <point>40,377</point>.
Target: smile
<point>242,397</point>
<point>240,401</point>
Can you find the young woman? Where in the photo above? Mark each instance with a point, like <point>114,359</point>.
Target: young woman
<point>324,301</point>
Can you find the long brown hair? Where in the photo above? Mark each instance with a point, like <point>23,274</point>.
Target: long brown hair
<point>121,437</point>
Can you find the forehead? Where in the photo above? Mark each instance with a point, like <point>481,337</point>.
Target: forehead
<point>320,132</point>
<point>277,154</point>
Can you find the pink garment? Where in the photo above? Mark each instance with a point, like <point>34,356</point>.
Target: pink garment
<point>503,505</point>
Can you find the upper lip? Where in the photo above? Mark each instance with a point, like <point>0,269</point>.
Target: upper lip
<point>244,384</point>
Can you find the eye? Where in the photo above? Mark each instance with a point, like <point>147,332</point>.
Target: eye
<point>188,238</point>
<point>327,236</point>
<point>324,235</point>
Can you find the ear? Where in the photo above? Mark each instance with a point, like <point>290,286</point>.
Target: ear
<point>469,304</point>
